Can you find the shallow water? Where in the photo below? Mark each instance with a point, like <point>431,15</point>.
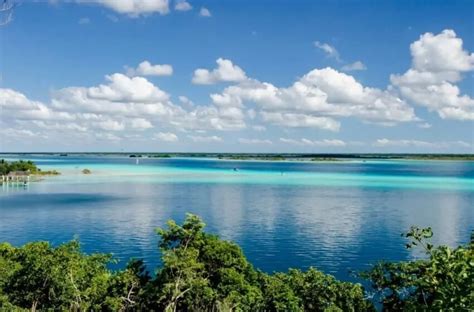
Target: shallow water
<point>337,216</point>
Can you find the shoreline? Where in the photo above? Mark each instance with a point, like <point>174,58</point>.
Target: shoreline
<point>260,157</point>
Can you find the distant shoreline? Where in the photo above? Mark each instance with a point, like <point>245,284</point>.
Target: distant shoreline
<point>322,157</point>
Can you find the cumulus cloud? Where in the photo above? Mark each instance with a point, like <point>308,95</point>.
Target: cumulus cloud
<point>10,133</point>
<point>226,71</point>
<point>358,65</point>
<point>133,8</point>
<point>111,125</point>
<point>205,139</point>
<point>145,68</point>
<point>317,143</point>
<point>186,101</point>
<point>121,88</point>
<point>438,62</point>
<point>137,97</point>
<point>126,105</point>
<point>292,120</point>
<point>328,49</point>
<point>316,99</point>
<point>129,106</point>
<point>441,53</point>
<point>140,124</point>
<point>204,12</point>
<point>254,141</point>
<point>13,103</point>
<point>166,137</point>
<point>182,5</point>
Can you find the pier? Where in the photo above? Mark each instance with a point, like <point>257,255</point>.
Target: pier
<point>16,178</point>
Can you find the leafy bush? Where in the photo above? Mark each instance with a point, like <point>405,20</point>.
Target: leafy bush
<point>21,165</point>
<point>39,277</point>
<point>201,272</point>
<point>443,282</point>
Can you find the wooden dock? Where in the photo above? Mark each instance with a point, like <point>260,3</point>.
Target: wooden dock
<point>16,178</point>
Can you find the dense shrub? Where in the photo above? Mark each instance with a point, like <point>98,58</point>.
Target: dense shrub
<point>443,282</point>
<point>201,272</point>
<point>21,165</point>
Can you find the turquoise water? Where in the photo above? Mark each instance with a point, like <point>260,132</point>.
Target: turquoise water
<point>337,216</point>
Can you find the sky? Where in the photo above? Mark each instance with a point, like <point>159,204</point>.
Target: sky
<point>237,76</point>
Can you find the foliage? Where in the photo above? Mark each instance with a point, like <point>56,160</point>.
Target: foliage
<point>40,277</point>
<point>201,272</point>
<point>443,282</point>
<point>22,165</point>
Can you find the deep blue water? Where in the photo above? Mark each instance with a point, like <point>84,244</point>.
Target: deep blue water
<point>334,216</point>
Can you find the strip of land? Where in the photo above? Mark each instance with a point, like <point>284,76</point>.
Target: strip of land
<point>324,157</point>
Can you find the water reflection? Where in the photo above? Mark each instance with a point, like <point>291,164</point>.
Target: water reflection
<point>279,225</point>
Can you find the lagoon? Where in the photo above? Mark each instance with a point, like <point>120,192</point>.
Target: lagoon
<point>336,216</point>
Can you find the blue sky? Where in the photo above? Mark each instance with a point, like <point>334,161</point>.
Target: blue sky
<point>238,76</point>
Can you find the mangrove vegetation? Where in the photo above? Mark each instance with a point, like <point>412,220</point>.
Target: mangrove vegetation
<point>23,166</point>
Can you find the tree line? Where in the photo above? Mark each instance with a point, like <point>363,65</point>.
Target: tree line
<point>201,272</point>
<point>23,165</point>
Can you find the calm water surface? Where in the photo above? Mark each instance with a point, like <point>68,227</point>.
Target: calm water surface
<point>335,216</point>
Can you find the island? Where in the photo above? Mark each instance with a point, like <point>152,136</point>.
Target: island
<point>20,171</point>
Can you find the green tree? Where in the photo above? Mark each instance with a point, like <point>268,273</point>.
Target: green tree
<point>203,273</point>
<point>40,277</point>
<point>443,282</point>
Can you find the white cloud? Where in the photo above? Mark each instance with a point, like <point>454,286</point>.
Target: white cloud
<point>111,125</point>
<point>418,143</point>
<point>205,139</point>
<point>441,53</point>
<point>328,49</point>
<point>316,143</point>
<point>122,103</point>
<point>133,8</point>
<point>59,126</point>
<point>17,133</point>
<point>254,141</point>
<point>292,120</point>
<point>205,12</point>
<point>166,137</point>
<point>225,71</point>
<point>16,104</point>
<point>437,64</point>
<point>122,88</point>
<point>358,65</point>
<point>185,100</point>
<point>182,5</point>
<point>140,124</point>
<point>145,68</point>
<point>108,137</point>
<point>316,99</point>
